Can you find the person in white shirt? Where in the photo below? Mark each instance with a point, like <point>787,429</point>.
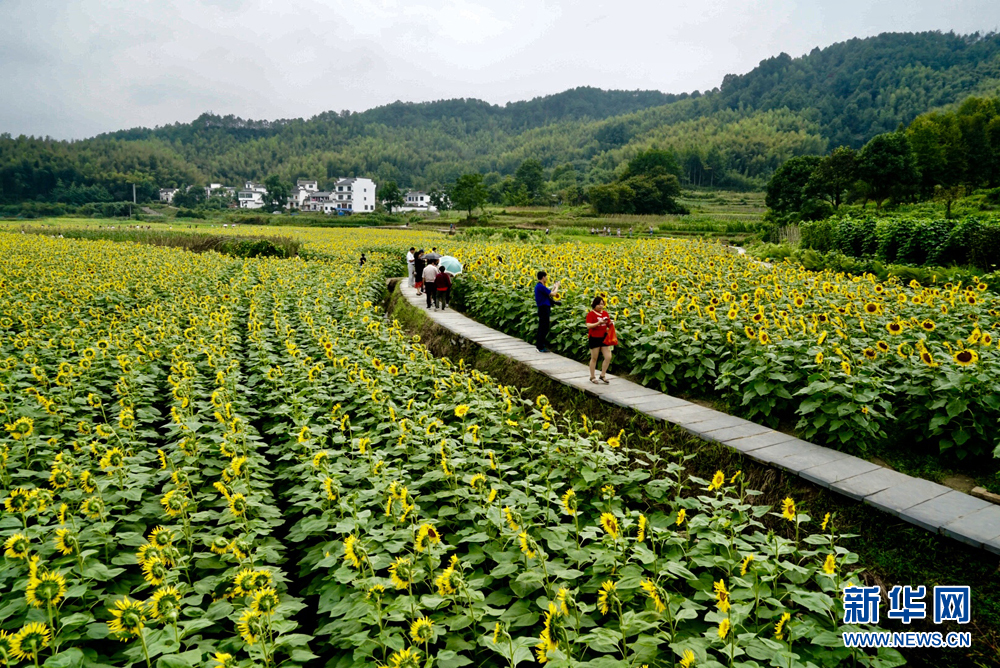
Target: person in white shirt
<point>412,277</point>
<point>430,276</point>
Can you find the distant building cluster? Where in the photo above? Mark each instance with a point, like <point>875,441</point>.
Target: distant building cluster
<point>347,196</point>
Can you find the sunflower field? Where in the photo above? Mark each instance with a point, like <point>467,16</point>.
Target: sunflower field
<point>215,461</point>
<point>849,360</point>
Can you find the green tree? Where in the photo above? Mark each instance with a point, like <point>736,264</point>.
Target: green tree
<point>833,176</point>
<point>189,198</point>
<point>653,162</point>
<point>887,165</point>
<point>390,195</point>
<point>469,192</point>
<point>276,197</point>
<point>786,191</point>
<point>529,182</point>
<point>439,199</point>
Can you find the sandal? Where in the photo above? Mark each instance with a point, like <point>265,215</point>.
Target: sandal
<point>594,381</point>
<point>605,380</point>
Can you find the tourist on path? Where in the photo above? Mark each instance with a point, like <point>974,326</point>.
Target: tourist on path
<point>418,270</point>
<point>430,278</point>
<point>598,321</point>
<point>443,283</point>
<point>544,302</point>
<point>411,275</point>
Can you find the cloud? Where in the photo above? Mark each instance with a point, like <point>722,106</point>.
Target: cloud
<point>71,70</point>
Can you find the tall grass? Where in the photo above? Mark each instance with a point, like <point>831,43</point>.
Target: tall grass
<point>197,242</point>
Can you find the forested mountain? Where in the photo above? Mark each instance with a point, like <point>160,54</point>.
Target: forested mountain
<point>735,135</point>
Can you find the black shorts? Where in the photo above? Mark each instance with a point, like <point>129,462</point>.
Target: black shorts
<point>595,342</point>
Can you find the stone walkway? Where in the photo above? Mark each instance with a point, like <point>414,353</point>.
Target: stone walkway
<point>934,507</point>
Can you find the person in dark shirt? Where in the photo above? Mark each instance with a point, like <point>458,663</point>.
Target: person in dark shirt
<point>418,270</point>
<point>361,263</point>
<point>544,302</point>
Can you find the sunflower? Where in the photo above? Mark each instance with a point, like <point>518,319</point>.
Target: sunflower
<point>641,531</point>
<point>882,346</point>
<point>154,570</point>
<point>265,601</point>
<point>779,628</point>
<point>763,337</point>
<point>20,428</point>
<point>422,630</point>
<point>165,604</point>
<point>870,353</point>
<point>461,410</point>
<point>748,330</point>
<point>871,308</point>
<point>724,628</point>
<point>721,595</point>
<point>66,542</point>
<point>845,366</point>
<point>610,524</point>
<point>161,537</point>
<point>681,516</point>
<point>799,301</point>
<point>112,459</point>
<point>405,658</point>
<point>351,553</point>
<point>174,503</point>
<point>224,660</point>
<point>426,535</point>
<point>401,573</point>
<point>250,626</point>
<point>830,565</point>
<point>60,478</point>
<point>966,357</point>
<point>788,509</point>
<point>46,590</point>
<point>526,544</point>
<point>128,617</point>
<point>18,501</point>
<point>238,504</point>
<point>928,359</point>
<point>17,546</point>
<point>569,502</point>
<point>27,643</point>
<point>745,564</point>
<point>654,594</point>
<point>718,480</point>
<point>819,358</point>
<point>894,327</point>
<point>607,596</point>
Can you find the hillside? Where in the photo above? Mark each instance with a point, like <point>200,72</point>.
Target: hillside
<point>734,135</point>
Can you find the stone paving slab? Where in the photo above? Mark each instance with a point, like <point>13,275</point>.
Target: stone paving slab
<point>841,469</point>
<point>944,509</point>
<point>895,500</point>
<point>979,529</point>
<point>658,402</point>
<point>923,503</point>
<point>872,482</point>
<point>748,444</point>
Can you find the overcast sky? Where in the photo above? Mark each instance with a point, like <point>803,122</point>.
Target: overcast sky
<point>74,69</point>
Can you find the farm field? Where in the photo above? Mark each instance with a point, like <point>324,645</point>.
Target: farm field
<point>233,462</point>
<point>846,361</point>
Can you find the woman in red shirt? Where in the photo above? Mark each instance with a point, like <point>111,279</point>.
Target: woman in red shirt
<point>597,328</point>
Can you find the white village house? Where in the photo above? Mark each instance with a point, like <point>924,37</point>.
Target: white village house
<point>167,194</point>
<point>252,196</point>
<point>416,200</point>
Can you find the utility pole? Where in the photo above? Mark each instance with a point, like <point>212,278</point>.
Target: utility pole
<point>133,193</point>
